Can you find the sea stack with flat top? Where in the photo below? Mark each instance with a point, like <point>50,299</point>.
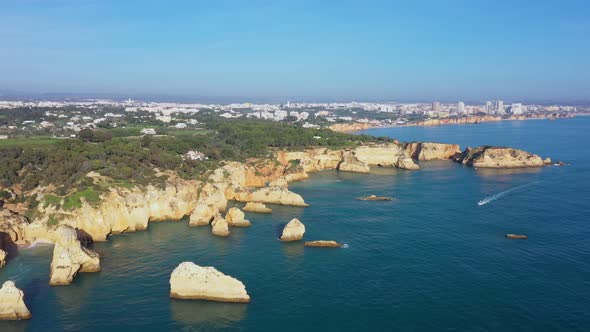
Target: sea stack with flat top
<point>194,282</point>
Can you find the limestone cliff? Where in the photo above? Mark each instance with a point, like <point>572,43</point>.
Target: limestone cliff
<point>350,163</point>
<point>431,151</point>
<point>498,157</point>
<point>70,257</point>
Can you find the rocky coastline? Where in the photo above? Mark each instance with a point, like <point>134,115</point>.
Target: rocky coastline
<point>256,183</point>
<point>358,126</point>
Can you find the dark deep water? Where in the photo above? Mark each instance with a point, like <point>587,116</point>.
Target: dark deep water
<point>431,260</point>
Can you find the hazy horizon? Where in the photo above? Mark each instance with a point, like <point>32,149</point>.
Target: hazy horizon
<point>427,50</point>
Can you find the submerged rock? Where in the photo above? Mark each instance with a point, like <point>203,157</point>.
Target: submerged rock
<point>375,198</point>
<point>235,217</point>
<point>517,236</point>
<point>257,207</point>
<point>219,226</point>
<point>12,303</point>
<point>323,243</point>
<point>70,257</point>
<point>191,281</point>
<point>293,231</point>
<point>498,157</point>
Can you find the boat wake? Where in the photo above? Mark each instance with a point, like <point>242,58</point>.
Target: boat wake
<point>494,197</point>
<point>345,246</point>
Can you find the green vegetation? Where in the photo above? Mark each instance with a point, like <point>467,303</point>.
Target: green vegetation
<point>31,141</point>
<point>130,162</point>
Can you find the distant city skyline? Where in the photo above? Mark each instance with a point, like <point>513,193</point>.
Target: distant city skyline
<point>275,51</point>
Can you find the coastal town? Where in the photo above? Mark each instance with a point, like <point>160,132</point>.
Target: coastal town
<point>63,119</point>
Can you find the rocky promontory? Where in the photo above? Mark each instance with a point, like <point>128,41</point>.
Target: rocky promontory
<point>191,281</point>
<point>70,257</point>
<point>12,303</point>
<point>431,151</point>
<point>498,157</point>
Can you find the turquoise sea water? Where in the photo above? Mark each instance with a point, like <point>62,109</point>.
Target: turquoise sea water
<point>430,260</point>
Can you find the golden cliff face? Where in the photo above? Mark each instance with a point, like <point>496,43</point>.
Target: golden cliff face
<point>431,151</point>
<point>121,210</point>
<point>499,157</point>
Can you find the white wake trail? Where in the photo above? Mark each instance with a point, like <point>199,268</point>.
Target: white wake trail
<point>494,197</point>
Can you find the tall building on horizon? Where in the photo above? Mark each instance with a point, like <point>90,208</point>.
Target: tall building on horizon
<point>500,107</point>
<point>460,107</point>
<point>435,106</point>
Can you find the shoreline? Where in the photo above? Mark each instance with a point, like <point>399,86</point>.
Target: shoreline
<point>357,127</point>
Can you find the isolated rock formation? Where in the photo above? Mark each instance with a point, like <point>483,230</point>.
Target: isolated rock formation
<point>219,226</point>
<point>323,243</point>
<point>12,303</point>
<point>257,207</point>
<point>235,217</point>
<point>375,198</point>
<point>191,281</point>
<point>431,151</point>
<point>272,195</point>
<point>293,231</point>
<point>498,157</point>
<point>70,257</point>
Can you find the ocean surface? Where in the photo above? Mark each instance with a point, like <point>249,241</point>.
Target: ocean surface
<point>431,260</point>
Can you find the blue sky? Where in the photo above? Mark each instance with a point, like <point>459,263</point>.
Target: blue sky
<point>352,50</point>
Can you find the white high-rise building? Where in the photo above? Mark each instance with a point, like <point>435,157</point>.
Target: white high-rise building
<point>500,107</point>
<point>489,107</point>
<point>516,108</point>
<point>460,107</point>
<point>436,106</point>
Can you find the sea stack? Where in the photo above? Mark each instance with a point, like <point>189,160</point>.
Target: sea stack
<point>70,257</point>
<point>257,207</point>
<point>235,217</point>
<point>293,231</point>
<point>12,303</point>
<point>191,281</point>
<point>219,226</point>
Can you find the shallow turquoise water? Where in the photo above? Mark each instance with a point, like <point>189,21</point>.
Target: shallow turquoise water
<point>431,260</point>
